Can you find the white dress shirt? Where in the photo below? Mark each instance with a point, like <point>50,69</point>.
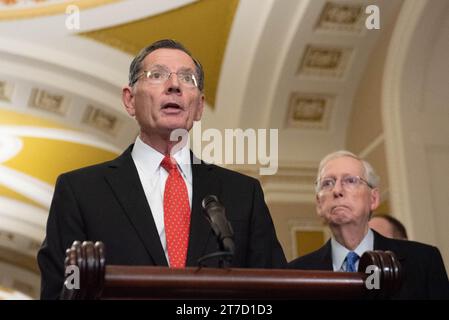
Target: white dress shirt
<point>339,252</point>
<point>153,178</point>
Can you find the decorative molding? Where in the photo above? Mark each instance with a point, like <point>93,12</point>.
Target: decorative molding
<point>337,16</point>
<point>60,134</point>
<point>48,101</point>
<point>372,146</point>
<point>309,111</point>
<point>324,61</point>
<point>16,250</point>
<point>15,281</point>
<point>292,183</point>
<point>6,90</point>
<point>26,185</point>
<point>305,224</point>
<point>20,218</point>
<point>54,108</point>
<point>10,146</point>
<point>102,120</point>
<point>410,17</point>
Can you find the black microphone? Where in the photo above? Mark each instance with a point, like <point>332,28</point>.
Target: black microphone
<point>215,214</point>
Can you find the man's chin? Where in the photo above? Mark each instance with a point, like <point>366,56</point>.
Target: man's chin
<point>173,125</point>
<point>338,218</point>
<point>337,222</point>
<point>175,132</point>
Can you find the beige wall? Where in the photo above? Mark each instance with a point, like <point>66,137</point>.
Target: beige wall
<point>288,218</point>
<point>365,131</point>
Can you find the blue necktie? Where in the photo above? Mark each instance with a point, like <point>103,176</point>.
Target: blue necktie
<point>351,260</point>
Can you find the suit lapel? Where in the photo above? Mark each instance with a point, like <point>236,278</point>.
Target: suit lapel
<point>125,183</point>
<point>325,257</point>
<point>204,183</point>
<point>384,244</point>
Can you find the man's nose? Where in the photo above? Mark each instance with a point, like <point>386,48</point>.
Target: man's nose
<point>172,84</point>
<point>338,190</point>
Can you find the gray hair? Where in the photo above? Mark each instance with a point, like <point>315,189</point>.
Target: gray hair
<point>136,64</point>
<point>368,171</point>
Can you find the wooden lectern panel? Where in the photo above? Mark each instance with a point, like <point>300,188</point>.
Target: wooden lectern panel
<point>98,281</point>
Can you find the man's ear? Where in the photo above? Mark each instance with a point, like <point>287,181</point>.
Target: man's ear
<point>128,100</point>
<point>199,110</point>
<point>318,205</point>
<point>375,199</point>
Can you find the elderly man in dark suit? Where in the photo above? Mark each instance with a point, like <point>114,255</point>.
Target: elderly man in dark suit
<point>346,194</point>
<point>146,204</point>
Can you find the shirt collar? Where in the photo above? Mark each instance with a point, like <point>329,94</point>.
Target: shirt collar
<point>339,252</point>
<point>182,157</point>
<point>149,159</point>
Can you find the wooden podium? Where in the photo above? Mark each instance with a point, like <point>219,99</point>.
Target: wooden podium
<point>101,281</point>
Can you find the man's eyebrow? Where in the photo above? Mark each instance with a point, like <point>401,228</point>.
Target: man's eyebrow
<point>162,66</point>
<point>344,175</point>
<point>186,69</point>
<point>157,66</point>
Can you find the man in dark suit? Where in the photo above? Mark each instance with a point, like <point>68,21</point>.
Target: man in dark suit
<point>124,202</point>
<point>346,194</point>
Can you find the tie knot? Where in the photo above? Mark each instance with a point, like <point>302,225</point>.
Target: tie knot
<point>168,163</point>
<point>351,260</point>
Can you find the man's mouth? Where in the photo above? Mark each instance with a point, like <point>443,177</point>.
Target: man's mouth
<point>172,106</point>
<point>339,207</point>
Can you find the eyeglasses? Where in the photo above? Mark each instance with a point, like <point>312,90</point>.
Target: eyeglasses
<point>347,182</point>
<point>160,76</point>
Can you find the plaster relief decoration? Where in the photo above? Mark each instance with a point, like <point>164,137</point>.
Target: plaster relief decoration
<point>34,246</point>
<point>101,120</point>
<point>17,242</point>
<point>309,111</point>
<point>324,61</point>
<point>340,16</point>
<point>48,101</point>
<point>6,236</point>
<point>6,90</point>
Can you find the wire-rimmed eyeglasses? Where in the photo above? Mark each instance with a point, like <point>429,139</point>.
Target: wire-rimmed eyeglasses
<point>347,182</point>
<point>160,76</point>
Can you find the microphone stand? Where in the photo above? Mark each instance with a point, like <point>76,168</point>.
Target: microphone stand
<point>224,258</point>
<point>215,214</point>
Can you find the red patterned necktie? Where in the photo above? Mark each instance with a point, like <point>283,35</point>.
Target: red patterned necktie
<point>176,214</point>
